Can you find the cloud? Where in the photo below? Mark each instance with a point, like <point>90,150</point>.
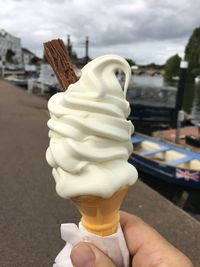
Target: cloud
<point>134,28</point>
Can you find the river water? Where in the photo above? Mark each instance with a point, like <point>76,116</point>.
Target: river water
<point>187,199</point>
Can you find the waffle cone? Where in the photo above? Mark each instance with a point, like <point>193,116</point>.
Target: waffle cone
<point>100,216</point>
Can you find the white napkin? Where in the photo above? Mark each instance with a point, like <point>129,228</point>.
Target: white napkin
<point>114,245</point>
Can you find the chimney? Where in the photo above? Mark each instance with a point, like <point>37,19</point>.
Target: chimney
<point>86,49</point>
<point>69,45</point>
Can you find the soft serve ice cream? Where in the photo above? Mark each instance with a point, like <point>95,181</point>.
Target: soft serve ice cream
<point>90,137</point>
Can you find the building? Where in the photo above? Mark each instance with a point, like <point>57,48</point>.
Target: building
<point>27,56</point>
<point>10,48</point>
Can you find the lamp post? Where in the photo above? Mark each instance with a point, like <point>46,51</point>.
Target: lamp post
<point>180,119</point>
<point>180,90</point>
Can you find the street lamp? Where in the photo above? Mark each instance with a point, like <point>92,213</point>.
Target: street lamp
<point>180,90</point>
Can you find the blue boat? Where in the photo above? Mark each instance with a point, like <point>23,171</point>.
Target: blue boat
<point>166,161</point>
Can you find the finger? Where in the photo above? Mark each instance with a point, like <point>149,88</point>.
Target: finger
<point>87,255</point>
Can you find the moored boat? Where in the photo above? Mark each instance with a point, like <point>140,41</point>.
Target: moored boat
<point>188,137</point>
<point>192,140</point>
<point>166,161</point>
<point>151,103</point>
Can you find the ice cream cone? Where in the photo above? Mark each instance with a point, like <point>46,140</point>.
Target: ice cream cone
<point>100,216</point>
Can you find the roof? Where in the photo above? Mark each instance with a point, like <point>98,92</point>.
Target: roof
<point>27,51</point>
<point>3,33</point>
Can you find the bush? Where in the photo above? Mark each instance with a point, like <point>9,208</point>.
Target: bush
<point>172,67</point>
<point>192,54</point>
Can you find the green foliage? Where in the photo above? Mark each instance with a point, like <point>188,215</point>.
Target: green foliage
<point>130,61</point>
<point>154,66</point>
<point>172,67</point>
<point>192,53</point>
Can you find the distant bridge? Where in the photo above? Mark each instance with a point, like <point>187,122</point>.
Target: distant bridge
<point>148,71</point>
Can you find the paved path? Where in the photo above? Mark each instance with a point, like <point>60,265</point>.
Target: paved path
<point>31,212</point>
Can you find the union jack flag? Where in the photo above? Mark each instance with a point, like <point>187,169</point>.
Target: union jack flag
<point>187,175</point>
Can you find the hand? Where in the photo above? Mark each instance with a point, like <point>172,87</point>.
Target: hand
<point>146,247</point>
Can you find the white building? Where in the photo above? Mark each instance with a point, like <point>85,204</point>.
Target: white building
<point>27,56</point>
<point>10,42</point>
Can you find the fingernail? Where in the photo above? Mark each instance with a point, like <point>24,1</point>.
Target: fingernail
<point>83,256</point>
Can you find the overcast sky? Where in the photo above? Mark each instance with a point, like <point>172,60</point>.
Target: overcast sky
<point>144,30</point>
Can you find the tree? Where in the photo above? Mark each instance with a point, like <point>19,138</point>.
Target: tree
<point>172,67</point>
<point>130,61</point>
<point>192,54</point>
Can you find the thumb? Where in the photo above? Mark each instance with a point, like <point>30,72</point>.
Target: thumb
<point>87,255</point>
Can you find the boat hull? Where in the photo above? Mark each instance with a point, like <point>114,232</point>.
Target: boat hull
<point>166,173</point>
<point>163,170</point>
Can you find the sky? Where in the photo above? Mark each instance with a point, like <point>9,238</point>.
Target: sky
<point>144,30</point>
